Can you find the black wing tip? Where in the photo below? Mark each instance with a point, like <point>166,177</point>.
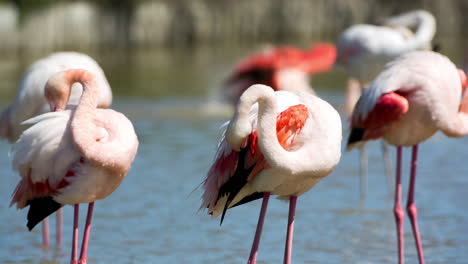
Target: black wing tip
<point>224,213</point>
<point>356,135</point>
<point>249,198</point>
<point>39,209</point>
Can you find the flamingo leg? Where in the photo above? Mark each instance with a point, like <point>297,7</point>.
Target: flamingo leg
<point>289,234</point>
<point>45,232</point>
<point>258,232</point>
<point>411,206</point>
<point>59,227</point>
<point>397,209</point>
<point>363,165</point>
<point>84,245</point>
<point>76,216</point>
<point>388,165</point>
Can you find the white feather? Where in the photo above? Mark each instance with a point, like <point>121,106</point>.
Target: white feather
<point>45,148</point>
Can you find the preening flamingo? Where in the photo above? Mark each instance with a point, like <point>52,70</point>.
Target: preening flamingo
<point>30,101</point>
<point>363,51</point>
<point>282,68</point>
<point>279,143</point>
<point>74,156</point>
<point>416,95</point>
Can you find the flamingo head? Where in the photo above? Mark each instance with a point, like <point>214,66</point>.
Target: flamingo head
<point>464,79</point>
<point>57,92</point>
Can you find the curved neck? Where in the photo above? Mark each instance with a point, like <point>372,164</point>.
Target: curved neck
<point>459,125</point>
<point>425,28</point>
<point>240,127</point>
<point>83,128</point>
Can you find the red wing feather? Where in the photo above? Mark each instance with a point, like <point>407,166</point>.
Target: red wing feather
<point>26,190</point>
<point>320,57</point>
<point>389,108</point>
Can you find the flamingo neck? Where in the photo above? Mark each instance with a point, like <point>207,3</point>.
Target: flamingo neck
<point>426,27</point>
<point>83,127</point>
<point>459,125</point>
<point>87,104</point>
<point>241,126</point>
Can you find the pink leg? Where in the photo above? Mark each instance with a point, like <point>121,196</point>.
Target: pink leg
<point>84,245</point>
<point>76,216</point>
<point>45,232</point>
<point>289,234</point>
<point>59,220</point>
<point>258,232</point>
<point>411,207</point>
<point>398,210</point>
<point>363,172</point>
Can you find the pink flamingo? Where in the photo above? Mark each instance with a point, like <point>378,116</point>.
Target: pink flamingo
<point>417,95</point>
<point>91,151</point>
<point>282,68</point>
<point>279,143</point>
<point>363,51</point>
<point>30,101</point>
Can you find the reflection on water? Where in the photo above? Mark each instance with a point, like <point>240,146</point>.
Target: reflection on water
<point>153,217</point>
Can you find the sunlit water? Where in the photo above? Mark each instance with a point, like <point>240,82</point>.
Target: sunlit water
<point>154,217</point>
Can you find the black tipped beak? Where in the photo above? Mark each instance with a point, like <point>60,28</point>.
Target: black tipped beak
<point>356,135</point>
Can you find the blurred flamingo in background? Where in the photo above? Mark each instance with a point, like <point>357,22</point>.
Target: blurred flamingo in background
<point>363,51</point>
<point>417,95</point>
<point>282,68</point>
<point>91,151</point>
<point>279,143</point>
<point>30,101</point>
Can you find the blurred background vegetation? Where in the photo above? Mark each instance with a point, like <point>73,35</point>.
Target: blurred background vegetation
<point>154,48</point>
<point>27,25</point>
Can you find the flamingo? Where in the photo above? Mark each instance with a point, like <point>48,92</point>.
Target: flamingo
<point>279,143</point>
<point>30,101</point>
<point>282,68</point>
<point>74,156</point>
<point>415,96</point>
<point>363,51</point>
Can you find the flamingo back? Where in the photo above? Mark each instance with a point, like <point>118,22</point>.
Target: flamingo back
<point>429,82</point>
<point>51,164</point>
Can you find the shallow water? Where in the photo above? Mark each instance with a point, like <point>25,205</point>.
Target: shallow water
<point>153,216</point>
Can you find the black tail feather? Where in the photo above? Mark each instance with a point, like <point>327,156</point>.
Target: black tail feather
<point>233,186</point>
<point>356,135</point>
<point>39,209</point>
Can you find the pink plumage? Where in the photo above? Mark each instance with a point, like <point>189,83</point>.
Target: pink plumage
<point>281,68</point>
<point>416,95</point>
<point>74,156</point>
<point>279,143</point>
<point>289,125</point>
